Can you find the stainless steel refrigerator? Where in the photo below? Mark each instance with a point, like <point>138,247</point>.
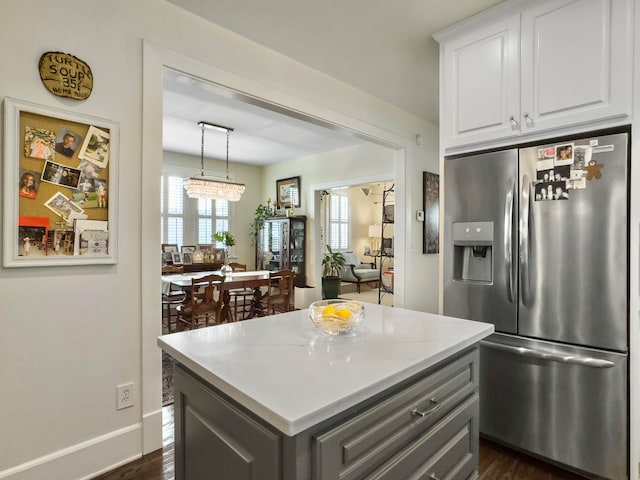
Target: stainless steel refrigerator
<point>536,242</point>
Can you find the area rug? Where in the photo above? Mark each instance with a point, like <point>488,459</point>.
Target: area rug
<point>167,380</point>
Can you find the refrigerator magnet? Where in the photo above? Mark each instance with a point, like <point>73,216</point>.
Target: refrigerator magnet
<point>581,156</point>
<point>544,176</point>
<point>557,174</point>
<point>560,191</point>
<point>593,170</point>
<point>603,149</point>
<point>577,179</point>
<point>546,158</point>
<point>564,154</point>
<point>577,183</point>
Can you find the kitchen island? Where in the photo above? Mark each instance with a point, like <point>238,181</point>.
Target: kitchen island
<point>276,398</point>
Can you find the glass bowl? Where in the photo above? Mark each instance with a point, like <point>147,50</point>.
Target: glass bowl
<point>335,316</point>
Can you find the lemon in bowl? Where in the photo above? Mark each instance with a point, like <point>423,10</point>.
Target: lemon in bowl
<point>335,316</point>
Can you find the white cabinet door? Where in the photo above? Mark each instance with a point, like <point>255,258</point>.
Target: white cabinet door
<point>481,84</point>
<point>576,63</point>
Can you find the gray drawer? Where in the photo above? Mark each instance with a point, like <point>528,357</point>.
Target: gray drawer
<point>447,450</point>
<point>363,443</point>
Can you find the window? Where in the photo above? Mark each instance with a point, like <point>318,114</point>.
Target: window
<point>338,231</point>
<point>189,221</point>
<point>213,216</point>
<point>172,210</point>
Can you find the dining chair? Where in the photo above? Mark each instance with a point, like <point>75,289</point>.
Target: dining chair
<point>170,303</point>
<point>171,300</point>
<point>240,297</point>
<point>280,294</point>
<point>204,302</point>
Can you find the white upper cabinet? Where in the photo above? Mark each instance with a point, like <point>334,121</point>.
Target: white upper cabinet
<point>550,65</point>
<point>576,65</point>
<point>482,84</point>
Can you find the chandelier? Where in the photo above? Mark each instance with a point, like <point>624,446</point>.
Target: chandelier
<point>213,189</point>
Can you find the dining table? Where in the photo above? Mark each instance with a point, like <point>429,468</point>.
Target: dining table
<point>253,279</point>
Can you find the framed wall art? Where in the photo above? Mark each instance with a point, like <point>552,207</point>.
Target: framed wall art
<point>288,192</point>
<point>60,187</point>
<point>431,200</point>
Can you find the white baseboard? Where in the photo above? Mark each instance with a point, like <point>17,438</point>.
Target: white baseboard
<point>152,431</point>
<point>84,460</point>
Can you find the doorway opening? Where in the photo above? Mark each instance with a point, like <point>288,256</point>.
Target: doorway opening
<point>350,221</point>
<point>156,60</point>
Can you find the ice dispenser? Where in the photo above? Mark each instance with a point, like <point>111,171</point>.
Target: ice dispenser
<point>473,251</point>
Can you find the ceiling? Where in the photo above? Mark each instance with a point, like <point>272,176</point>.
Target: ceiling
<point>380,47</point>
<point>261,136</point>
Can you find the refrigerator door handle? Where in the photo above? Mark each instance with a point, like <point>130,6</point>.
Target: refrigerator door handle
<point>549,355</point>
<point>524,240</point>
<point>508,236</point>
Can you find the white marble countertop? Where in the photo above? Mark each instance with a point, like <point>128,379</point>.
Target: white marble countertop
<point>294,376</point>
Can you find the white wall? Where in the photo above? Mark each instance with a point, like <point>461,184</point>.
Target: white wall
<point>347,166</point>
<point>71,334</point>
<point>365,211</point>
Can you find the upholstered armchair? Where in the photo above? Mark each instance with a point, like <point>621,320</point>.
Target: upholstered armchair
<point>357,272</point>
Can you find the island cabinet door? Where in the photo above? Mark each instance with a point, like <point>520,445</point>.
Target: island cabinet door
<point>216,441</point>
<point>431,422</point>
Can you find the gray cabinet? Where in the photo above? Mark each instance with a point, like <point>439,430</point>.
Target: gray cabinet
<point>424,428</point>
<point>215,439</point>
<point>392,428</point>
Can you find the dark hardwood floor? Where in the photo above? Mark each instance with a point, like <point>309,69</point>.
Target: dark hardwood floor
<point>496,462</point>
<point>158,465</point>
<point>501,463</point>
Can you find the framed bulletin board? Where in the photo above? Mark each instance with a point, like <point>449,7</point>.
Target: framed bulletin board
<point>60,187</point>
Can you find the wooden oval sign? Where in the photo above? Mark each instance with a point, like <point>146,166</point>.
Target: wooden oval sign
<point>65,75</point>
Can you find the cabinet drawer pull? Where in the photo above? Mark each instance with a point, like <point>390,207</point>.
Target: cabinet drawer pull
<point>434,405</point>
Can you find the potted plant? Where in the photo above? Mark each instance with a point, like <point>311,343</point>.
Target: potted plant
<point>261,214</point>
<point>332,263</point>
<point>228,240</point>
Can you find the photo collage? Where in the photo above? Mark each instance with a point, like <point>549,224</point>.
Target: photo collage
<point>561,168</point>
<point>63,182</point>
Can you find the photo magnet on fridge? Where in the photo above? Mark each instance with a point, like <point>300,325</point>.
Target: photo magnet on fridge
<point>546,158</point>
<point>564,154</point>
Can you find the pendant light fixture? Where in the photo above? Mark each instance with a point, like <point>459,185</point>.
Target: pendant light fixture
<point>213,189</point>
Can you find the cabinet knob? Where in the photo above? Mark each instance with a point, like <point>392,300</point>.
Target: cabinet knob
<point>432,476</point>
<point>528,120</point>
<point>514,123</point>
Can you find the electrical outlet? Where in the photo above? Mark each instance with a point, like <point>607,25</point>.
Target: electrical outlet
<point>125,396</point>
